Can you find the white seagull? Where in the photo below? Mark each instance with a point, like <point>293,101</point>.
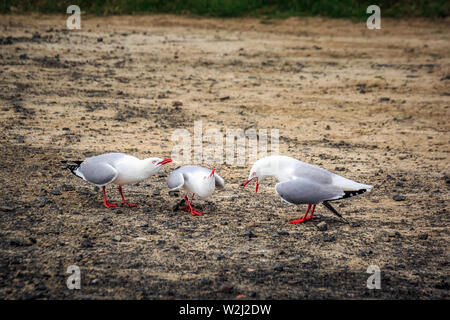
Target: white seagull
<point>303,183</point>
<point>195,180</point>
<point>117,168</point>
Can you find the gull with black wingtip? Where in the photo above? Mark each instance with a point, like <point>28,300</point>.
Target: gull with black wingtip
<point>116,168</point>
<point>303,183</point>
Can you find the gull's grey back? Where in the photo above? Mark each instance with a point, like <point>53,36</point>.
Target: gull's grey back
<point>309,171</point>
<point>110,158</point>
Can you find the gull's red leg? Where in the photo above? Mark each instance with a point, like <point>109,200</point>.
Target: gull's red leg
<point>186,207</point>
<point>192,210</point>
<point>123,199</point>
<point>105,201</point>
<point>304,217</point>
<point>312,213</point>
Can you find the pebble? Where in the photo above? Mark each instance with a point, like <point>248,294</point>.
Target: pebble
<point>278,267</point>
<point>249,234</point>
<point>399,197</point>
<point>86,243</point>
<point>117,238</point>
<point>66,187</point>
<point>175,193</point>
<point>322,226</point>
<point>43,200</point>
<point>218,257</point>
<point>395,234</point>
<point>55,192</point>
<point>227,287</point>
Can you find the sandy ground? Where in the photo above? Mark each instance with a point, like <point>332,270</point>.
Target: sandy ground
<point>372,106</point>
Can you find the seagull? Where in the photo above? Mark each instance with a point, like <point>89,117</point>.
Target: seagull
<point>303,183</point>
<point>117,168</point>
<point>196,181</point>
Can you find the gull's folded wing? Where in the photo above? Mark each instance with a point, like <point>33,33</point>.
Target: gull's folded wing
<point>176,180</point>
<point>305,191</point>
<point>97,172</point>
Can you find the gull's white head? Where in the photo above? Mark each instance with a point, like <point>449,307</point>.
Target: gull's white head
<point>271,166</point>
<point>153,165</point>
<point>259,171</point>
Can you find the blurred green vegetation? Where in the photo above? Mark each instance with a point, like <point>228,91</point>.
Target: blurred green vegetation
<point>234,8</point>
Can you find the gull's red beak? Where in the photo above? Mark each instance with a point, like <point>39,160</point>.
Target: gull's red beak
<point>212,173</point>
<point>165,161</point>
<point>257,184</point>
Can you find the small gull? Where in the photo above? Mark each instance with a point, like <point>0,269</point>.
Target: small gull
<point>303,183</point>
<point>117,168</point>
<point>195,180</point>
